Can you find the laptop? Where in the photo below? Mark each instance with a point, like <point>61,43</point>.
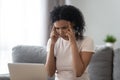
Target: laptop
<point>27,71</point>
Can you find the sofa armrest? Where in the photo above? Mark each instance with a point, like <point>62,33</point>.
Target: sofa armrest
<point>101,65</point>
<point>116,64</point>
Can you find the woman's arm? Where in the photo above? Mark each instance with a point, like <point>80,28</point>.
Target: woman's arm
<point>51,61</point>
<point>80,60</point>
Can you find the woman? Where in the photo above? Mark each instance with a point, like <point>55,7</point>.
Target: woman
<point>69,52</point>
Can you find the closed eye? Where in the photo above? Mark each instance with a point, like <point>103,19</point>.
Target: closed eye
<point>61,28</point>
<point>64,27</point>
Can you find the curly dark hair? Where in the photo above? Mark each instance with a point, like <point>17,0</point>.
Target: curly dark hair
<point>72,14</point>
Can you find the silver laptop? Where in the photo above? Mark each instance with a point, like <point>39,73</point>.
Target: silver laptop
<point>27,71</point>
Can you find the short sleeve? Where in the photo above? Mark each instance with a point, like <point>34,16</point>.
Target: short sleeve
<point>48,45</point>
<point>87,45</point>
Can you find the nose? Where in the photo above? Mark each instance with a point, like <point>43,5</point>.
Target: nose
<point>61,31</point>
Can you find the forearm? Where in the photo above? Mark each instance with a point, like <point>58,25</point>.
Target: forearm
<point>50,62</point>
<point>78,64</point>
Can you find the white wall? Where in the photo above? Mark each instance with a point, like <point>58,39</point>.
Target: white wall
<point>102,17</point>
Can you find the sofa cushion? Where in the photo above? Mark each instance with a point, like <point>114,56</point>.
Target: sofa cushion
<point>4,77</point>
<point>116,64</point>
<point>28,54</point>
<point>100,67</point>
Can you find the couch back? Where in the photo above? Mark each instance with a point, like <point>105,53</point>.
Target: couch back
<point>29,54</point>
<point>104,65</point>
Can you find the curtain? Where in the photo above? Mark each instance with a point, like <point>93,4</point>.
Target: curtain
<point>23,22</point>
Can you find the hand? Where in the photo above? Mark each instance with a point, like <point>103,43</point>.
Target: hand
<point>54,35</point>
<point>70,33</point>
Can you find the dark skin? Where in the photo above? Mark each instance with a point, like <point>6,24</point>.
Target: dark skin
<point>64,29</point>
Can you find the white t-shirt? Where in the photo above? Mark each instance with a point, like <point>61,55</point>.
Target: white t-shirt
<point>63,55</point>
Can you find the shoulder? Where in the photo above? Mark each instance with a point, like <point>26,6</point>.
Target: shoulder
<point>86,39</point>
<point>87,44</point>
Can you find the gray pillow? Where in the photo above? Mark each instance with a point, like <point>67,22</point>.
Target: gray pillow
<point>116,64</point>
<point>4,77</point>
<point>100,67</point>
<point>29,54</point>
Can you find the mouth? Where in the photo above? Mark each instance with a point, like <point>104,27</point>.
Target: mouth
<point>64,37</point>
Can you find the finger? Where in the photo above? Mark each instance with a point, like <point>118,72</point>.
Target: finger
<point>53,28</point>
<point>71,30</point>
<point>70,27</point>
<point>68,33</point>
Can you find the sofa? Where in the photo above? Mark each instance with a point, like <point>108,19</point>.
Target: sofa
<point>104,65</point>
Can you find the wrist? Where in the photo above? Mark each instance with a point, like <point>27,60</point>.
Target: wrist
<point>73,41</point>
<point>73,44</point>
<point>52,44</point>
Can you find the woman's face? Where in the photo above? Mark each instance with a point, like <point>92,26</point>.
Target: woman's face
<point>61,27</point>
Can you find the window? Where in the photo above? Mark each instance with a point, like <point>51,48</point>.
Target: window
<point>22,22</point>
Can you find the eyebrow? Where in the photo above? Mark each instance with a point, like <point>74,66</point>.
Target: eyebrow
<point>61,27</point>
